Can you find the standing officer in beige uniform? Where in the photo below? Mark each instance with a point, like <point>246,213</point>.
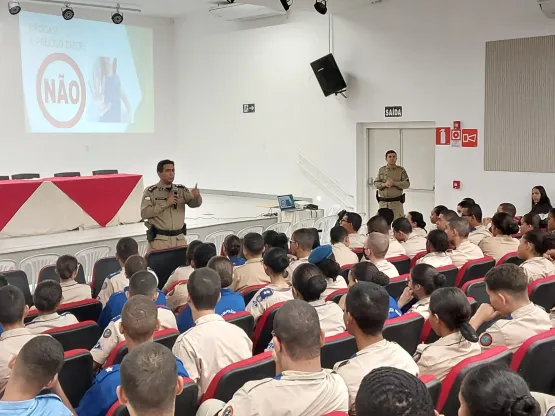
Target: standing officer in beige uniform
<point>390,183</point>
<point>163,207</point>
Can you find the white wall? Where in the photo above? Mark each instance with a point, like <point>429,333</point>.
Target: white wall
<point>49,153</point>
<point>426,55</point>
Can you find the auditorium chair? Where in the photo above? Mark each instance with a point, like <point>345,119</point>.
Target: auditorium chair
<point>336,295</point>
<point>164,262</point>
<point>174,285</point>
<point>510,258</point>
<point>405,331</point>
<point>359,252</point>
<point>249,292</point>
<point>474,269</point>
<point>217,238</point>
<point>49,273</point>
<point>401,263</point>
<point>76,336</point>
<point>542,292</point>
<point>262,334</point>
<point>476,289</point>
<point>26,176</point>
<point>337,348</point>
<point>76,375</point>
<point>532,360</point>
<point>397,285</point>
<point>166,337</point>
<point>448,403</point>
<point>103,268</point>
<point>84,310</point>
<point>450,273</point>
<point>428,336</point>
<point>67,174</point>
<point>345,274</point>
<point>231,378</point>
<point>417,257</point>
<point>243,320</point>
<point>105,172</point>
<point>433,385</point>
<point>4,178</point>
<point>19,278</point>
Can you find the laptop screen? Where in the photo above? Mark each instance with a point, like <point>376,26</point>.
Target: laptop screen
<point>286,202</point>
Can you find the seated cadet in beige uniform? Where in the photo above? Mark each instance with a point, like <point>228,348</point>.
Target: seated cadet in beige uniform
<point>434,216</point>
<point>67,268</point>
<point>444,218</point>
<point>340,244</point>
<point>530,222</point>
<point>142,283</point>
<point>302,241</point>
<point>546,402</point>
<point>118,281</point>
<point>47,298</point>
<point>323,258</point>
<point>183,272</point>
<point>378,224</point>
<point>352,222</point>
<point>507,287</point>
<point>276,263</point>
<point>503,227</point>
<point>437,245</point>
<point>423,281</point>
<point>12,313</point>
<point>473,214</point>
<point>212,343</point>
<point>301,387</point>
<point>457,234</point>
<point>533,245</point>
<point>366,310</point>
<point>374,250</point>
<point>449,318</point>
<point>252,272</point>
<point>411,242</point>
<point>417,223</point>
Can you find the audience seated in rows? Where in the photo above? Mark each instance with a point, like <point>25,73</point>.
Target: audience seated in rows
<point>437,245</point>
<point>232,249</point>
<point>457,233</point>
<point>501,243</point>
<point>434,215</point>
<point>379,225</point>
<point>339,238</point>
<point>417,223</point>
<point>532,248</point>
<point>183,272</point>
<point>517,318</point>
<point>67,268</point>
<point>325,260</point>
<point>423,281</point>
<point>473,214</point>
<point>375,250</point>
<point>444,218</point>
<point>47,298</point>
<point>411,242</point>
<point>302,243</point>
<point>449,318</point>
<point>212,343</point>
<point>352,222</point>
<point>252,272</point>
<point>465,203</point>
<point>530,222</point>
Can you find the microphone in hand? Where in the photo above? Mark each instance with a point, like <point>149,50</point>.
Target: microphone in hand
<point>175,195</point>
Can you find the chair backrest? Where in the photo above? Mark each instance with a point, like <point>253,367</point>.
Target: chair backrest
<point>243,320</point>
<point>67,174</point>
<point>325,224</point>
<point>19,278</point>
<point>476,289</point>
<point>473,269</point>
<point>262,334</point>
<point>336,295</point>
<point>217,238</point>
<point>89,256</point>
<point>143,247</point>
<point>542,292</point>
<point>76,375</point>
<point>32,265</point>
<point>428,336</point>
<point>359,252</point>
<point>117,409</point>
<point>231,378</point>
<point>279,227</point>
<point>259,229</point>
<point>7,265</point>
<point>405,331</point>
<point>433,385</point>
<point>348,266</point>
<point>81,335</point>
<point>84,310</point>
<point>103,268</point>
<point>530,362</point>
<point>510,258</point>
<point>307,223</point>
<point>164,262</point>
<point>48,273</point>
<point>448,403</point>
<point>249,292</point>
<point>26,176</point>
<point>417,257</point>
<point>397,285</point>
<point>450,273</point>
<point>337,348</point>
<point>191,237</point>
<point>4,178</point>
<point>401,263</point>
<point>105,172</point>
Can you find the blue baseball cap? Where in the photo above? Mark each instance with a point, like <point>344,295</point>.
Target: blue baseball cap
<point>319,254</point>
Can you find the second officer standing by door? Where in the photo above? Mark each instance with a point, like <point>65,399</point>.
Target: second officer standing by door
<point>163,207</point>
<point>390,183</point>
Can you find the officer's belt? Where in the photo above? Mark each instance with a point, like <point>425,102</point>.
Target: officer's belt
<point>169,233</point>
<point>400,198</point>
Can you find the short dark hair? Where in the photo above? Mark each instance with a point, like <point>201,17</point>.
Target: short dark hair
<point>338,234</point>
<point>354,219</point>
<point>65,266</point>
<point>474,210</point>
<point>3,280</point>
<point>506,277</point>
<point>253,243</point>
<point>449,215</point>
<point>304,238</point>
<point>38,361</point>
<point>402,225</point>
<point>505,223</point>
<point>465,204</point>
<point>329,267</point>
<point>368,304</point>
<point>428,277</point>
<point>279,240</point>
<point>541,241</point>
<point>438,209</point>
<point>508,208</point>
<point>451,306</point>
<point>460,225</point>
<point>390,152</point>
<point>533,220</point>
<point>47,296</point>
<point>125,248</point>
<point>387,214</point>
<point>276,260</point>
<point>309,281</point>
<point>148,378</point>
<point>299,345</point>
<point>268,235</point>
<point>232,245</point>
<point>12,305</point>
<point>316,235</point>
<point>388,391</point>
<point>160,165</point>
<point>438,240</point>
<point>204,288</point>
<point>191,250</point>
<point>368,272</point>
<point>378,224</point>
<point>418,219</point>
<point>203,253</point>
<point>224,267</point>
<point>139,318</point>
<point>143,283</point>
<point>134,264</point>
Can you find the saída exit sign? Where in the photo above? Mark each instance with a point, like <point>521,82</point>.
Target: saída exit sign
<point>393,111</point>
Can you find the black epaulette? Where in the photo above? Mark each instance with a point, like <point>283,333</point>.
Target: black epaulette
<point>182,187</point>
<point>342,364</point>
<point>152,188</point>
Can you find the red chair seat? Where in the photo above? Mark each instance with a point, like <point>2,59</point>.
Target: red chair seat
<point>405,331</point>
<point>249,292</point>
<point>510,258</point>
<point>474,269</point>
<point>401,263</point>
<point>417,257</point>
<point>433,385</point>
<point>397,285</point>
<point>263,330</point>
<point>83,335</point>
<point>542,292</point>
<point>243,320</point>
<point>336,295</point>
<point>337,348</point>
<point>76,375</point>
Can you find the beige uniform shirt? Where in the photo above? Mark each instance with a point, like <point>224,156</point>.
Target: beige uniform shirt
<point>497,247</point>
<point>441,356</point>
<point>395,249</point>
<point>339,283</point>
<point>380,354</point>
<point>209,346</point>
<point>420,231</point>
<point>177,297</point>
<point>266,297</point>
<point>291,393</point>
<point>538,268</point>
<point>356,241</point>
<point>249,274</point>
<point>547,403</point>
<point>414,245</point>
<point>400,181</point>
<point>54,320</point>
<point>74,292</point>
<point>422,307</point>
<point>296,263</point>
<point>526,322</point>
<point>11,343</point>
<point>387,268</point>
<point>464,252</point>
<point>181,273</point>
<point>331,317</point>
<point>344,255</point>
<point>116,283</point>
<point>436,260</point>
<point>479,234</point>
<point>112,335</point>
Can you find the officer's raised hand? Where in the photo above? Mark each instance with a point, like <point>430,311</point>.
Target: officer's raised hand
<point>172,199</point>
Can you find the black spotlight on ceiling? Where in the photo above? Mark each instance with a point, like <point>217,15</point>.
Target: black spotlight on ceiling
<point>321,6</point>
<point>67,12</point>
<point>14,7</point>
<point>286,4</point>
<point>117,17</point>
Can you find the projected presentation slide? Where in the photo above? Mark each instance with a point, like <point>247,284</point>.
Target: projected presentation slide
<point>84,76</point>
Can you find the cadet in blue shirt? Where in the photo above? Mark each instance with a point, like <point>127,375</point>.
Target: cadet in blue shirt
<point>36,368</point>
<point>233,249</point>
<point>230,302</point>
<point>138,324</point>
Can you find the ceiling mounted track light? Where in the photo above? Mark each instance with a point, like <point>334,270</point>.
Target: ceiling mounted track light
<point>321,6</point>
